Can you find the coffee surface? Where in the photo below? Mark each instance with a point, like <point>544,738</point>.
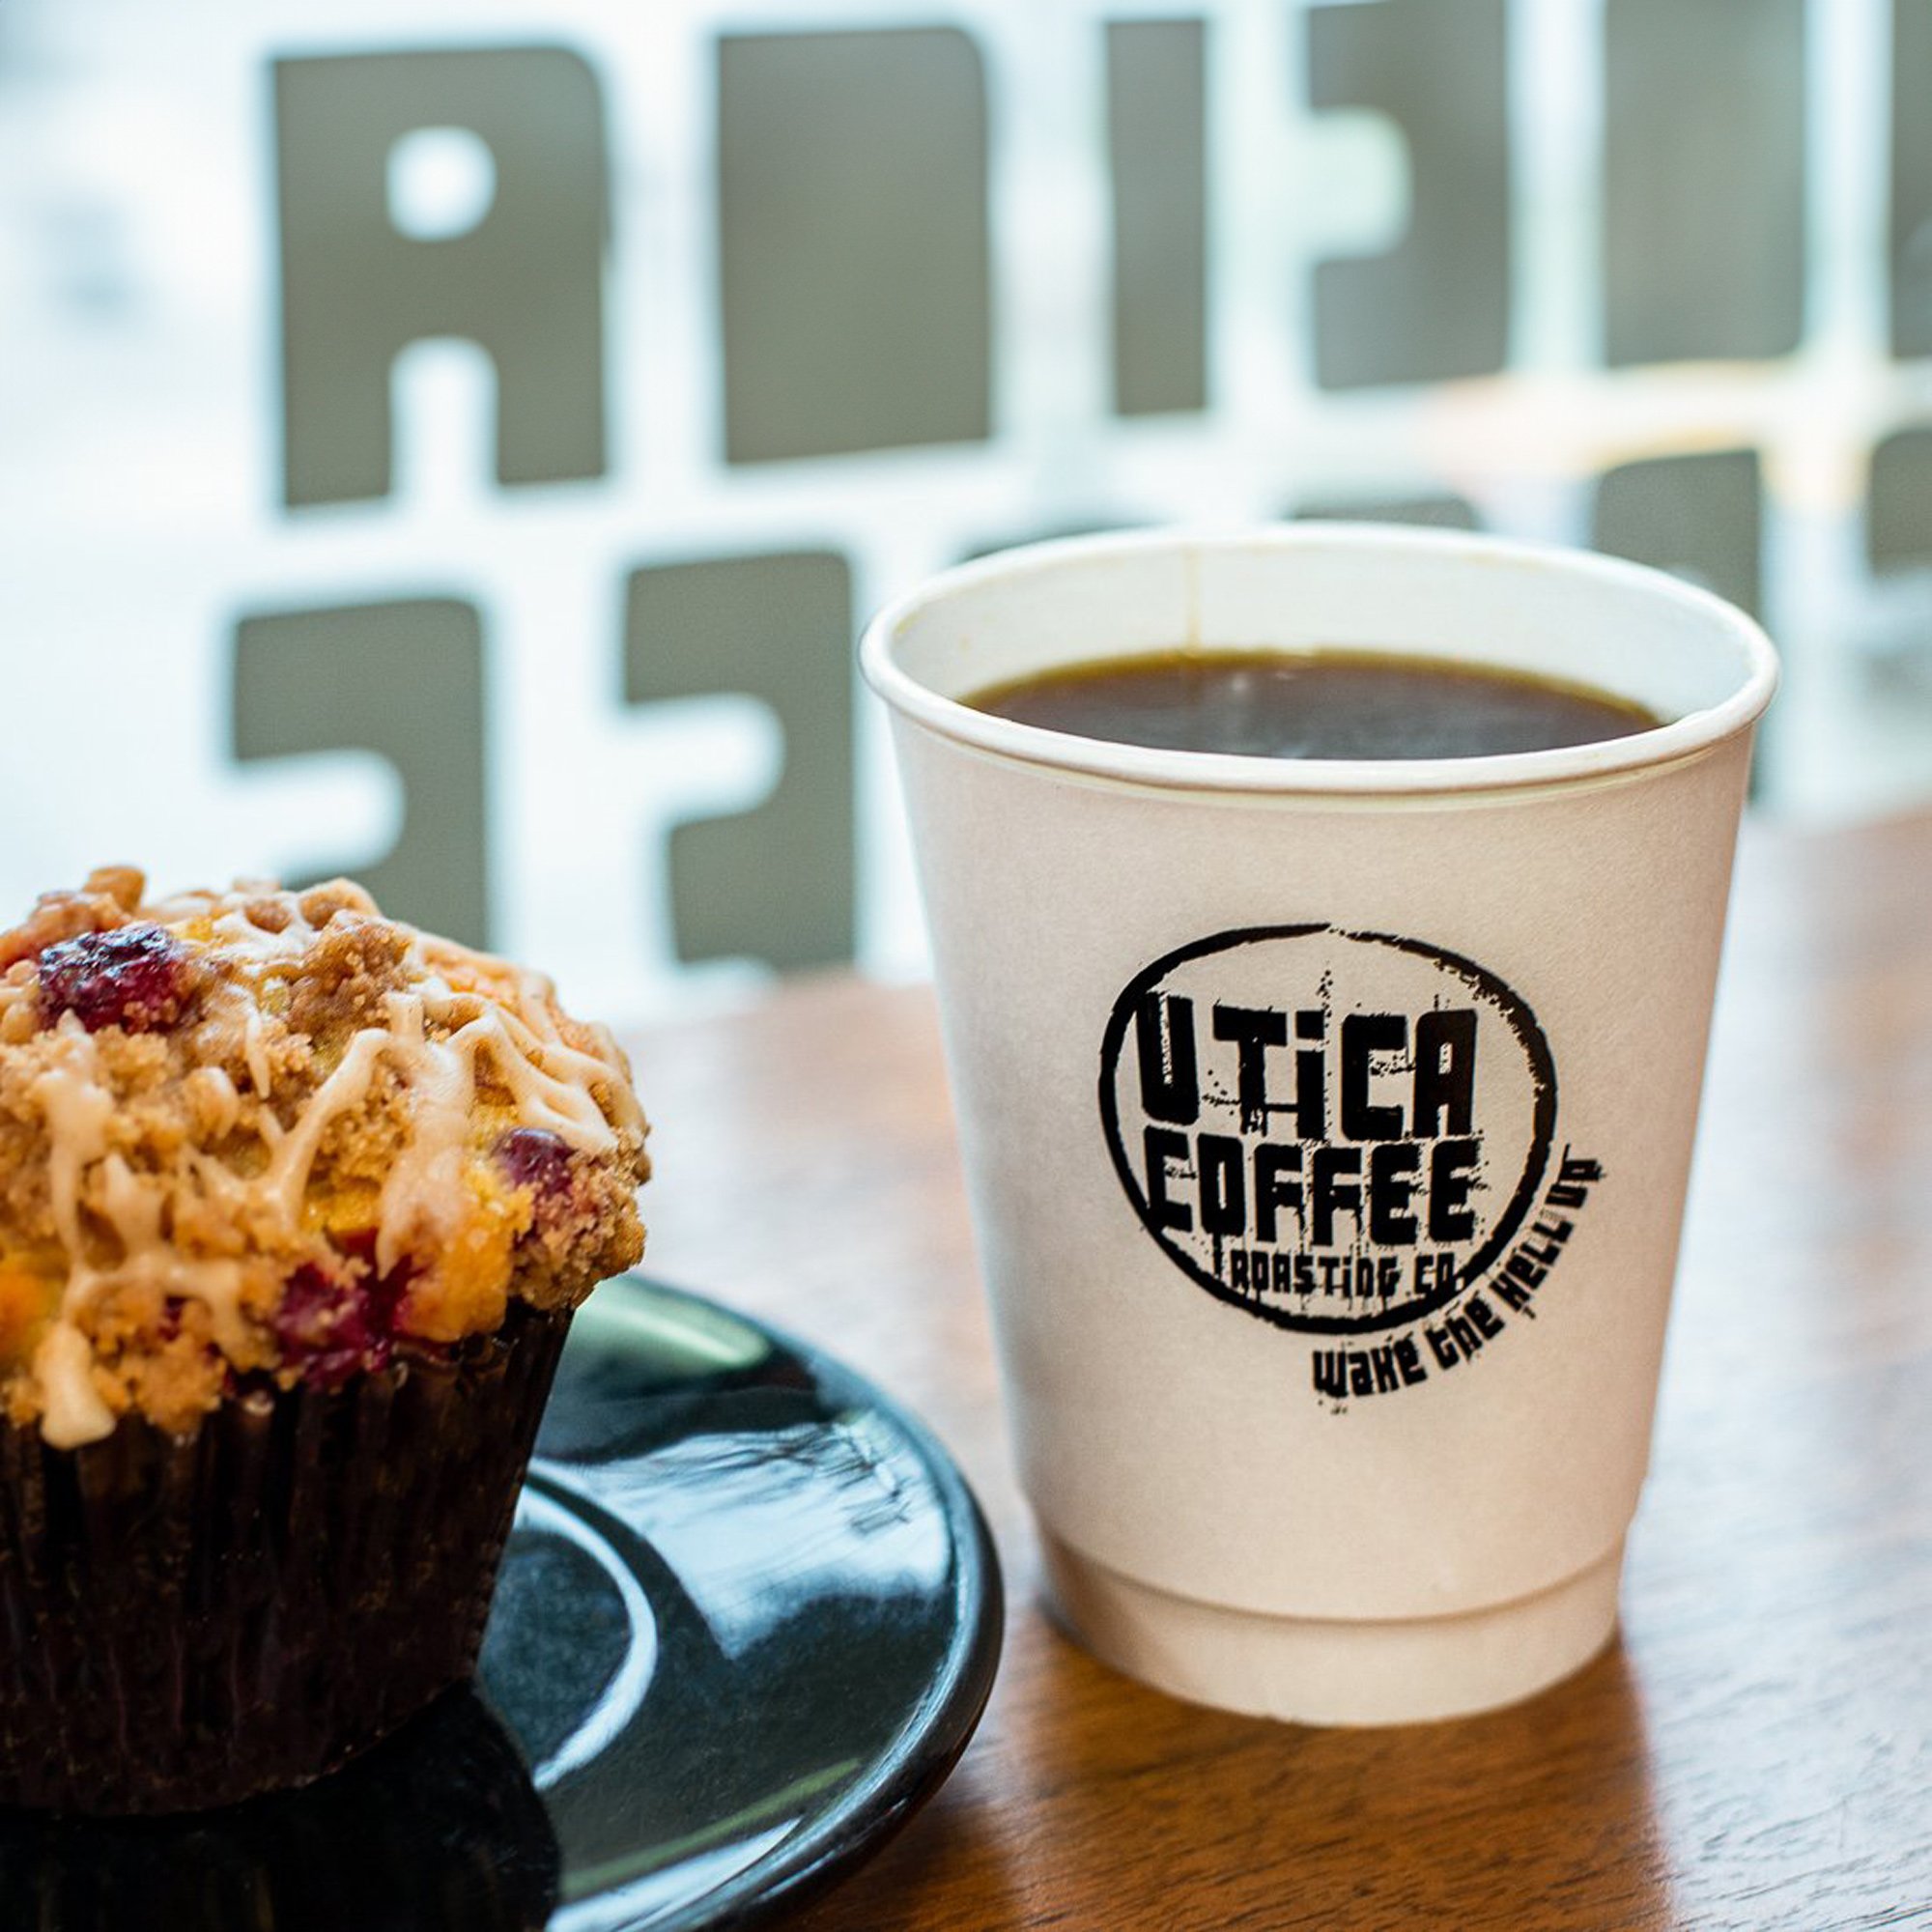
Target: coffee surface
<point>1313,705</point>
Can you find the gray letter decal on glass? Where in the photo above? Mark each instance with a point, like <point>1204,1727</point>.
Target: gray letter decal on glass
<point>1436,307</point>
<point>1912,178</point>
<point>1157,136</point>
<point>852,242</point>
<point>526,283</point>
<point>404,680</point>
<point>1697,515</point>
<point>1703,178</point>
<point>776,882</point>
<point>1899,529</point>
<point>1442,513</point>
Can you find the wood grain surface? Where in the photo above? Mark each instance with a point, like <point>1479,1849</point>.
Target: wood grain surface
<point>1755,1751</point>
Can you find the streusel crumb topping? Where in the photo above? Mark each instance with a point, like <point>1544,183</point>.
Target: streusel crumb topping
<point>273,1134</point>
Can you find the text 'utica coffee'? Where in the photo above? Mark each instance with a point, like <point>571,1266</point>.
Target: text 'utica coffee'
<point>1338,1132</point>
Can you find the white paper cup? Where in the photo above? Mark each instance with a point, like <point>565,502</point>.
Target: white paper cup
<point>1326,1123</point>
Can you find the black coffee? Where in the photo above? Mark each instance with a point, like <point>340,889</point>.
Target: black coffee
<point>1313,705</point>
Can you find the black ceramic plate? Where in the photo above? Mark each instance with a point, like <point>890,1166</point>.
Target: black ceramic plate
<point>747,1623</point>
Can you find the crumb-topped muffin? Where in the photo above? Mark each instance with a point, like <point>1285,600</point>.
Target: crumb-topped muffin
<point>297,1197</point>
<point>269,1133</point>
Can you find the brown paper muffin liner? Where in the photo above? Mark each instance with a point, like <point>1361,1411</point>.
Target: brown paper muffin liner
<point>187,1621</point>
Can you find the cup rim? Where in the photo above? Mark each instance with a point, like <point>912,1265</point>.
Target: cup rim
<point>1666,744</point>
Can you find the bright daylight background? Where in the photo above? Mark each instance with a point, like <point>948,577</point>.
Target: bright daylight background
<point>457,443</point>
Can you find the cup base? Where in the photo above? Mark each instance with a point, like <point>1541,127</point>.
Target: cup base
<point>1312,1671</point>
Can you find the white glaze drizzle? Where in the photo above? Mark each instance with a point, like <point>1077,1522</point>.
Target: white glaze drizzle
<point>222,1101</point>
<point>77,1107</point>
<point>549,1083</point>
<point>255,1049</point>
<point>72,1412</point>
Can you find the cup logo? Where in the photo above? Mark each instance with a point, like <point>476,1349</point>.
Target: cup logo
<point>1339,1132</point>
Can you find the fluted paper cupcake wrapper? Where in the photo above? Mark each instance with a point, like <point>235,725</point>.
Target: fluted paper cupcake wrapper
<point>187,1621</point>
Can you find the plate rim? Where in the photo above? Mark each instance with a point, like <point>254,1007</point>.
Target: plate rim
<point>811,1860</point>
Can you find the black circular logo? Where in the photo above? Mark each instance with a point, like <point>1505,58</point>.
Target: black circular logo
<point>1336,1131</point>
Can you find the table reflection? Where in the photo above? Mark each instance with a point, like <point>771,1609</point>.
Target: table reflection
<point>438,1829</point>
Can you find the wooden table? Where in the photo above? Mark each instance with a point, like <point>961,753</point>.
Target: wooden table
<point>1758,1748</point>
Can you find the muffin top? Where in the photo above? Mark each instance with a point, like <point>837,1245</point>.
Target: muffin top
<point>267,1138</point>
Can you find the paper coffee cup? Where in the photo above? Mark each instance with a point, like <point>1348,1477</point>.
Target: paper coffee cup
<point>1326,1123</point>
